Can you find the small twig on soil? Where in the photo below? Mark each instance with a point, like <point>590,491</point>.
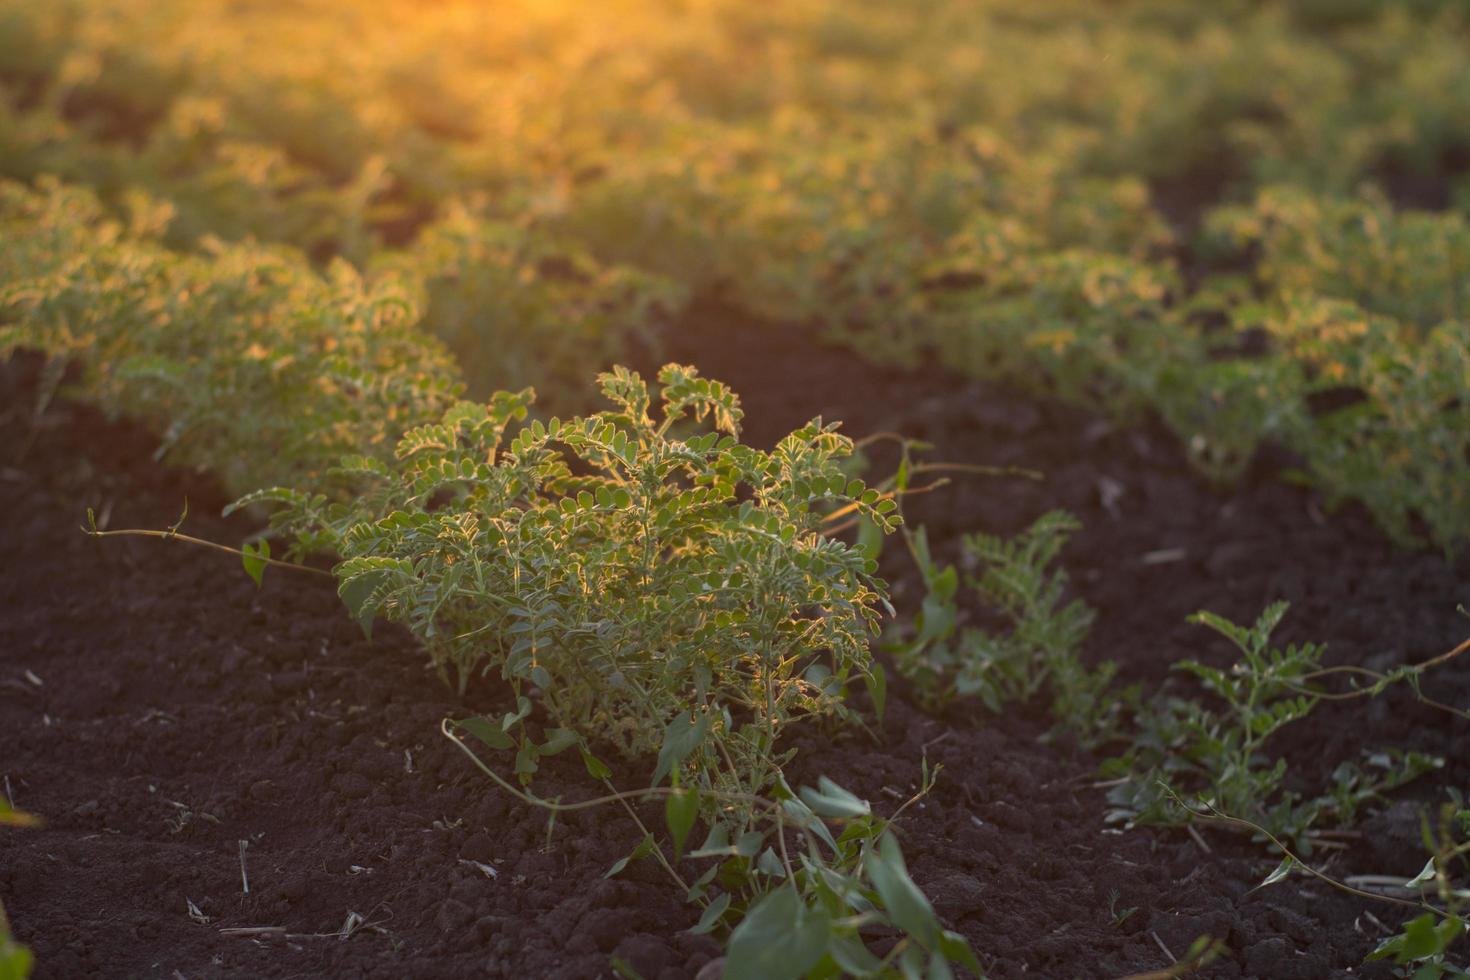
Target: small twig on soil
<point>1107,783</point>
<point>244,878</point>
<point>354,924</point>
<point>937,739</point>
<point>1167,952</point>
<point>1377,923</point>
<point>1204,951</point>
<point>1198,838</point>
<point>1164,556</point>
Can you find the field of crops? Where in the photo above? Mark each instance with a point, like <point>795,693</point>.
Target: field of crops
<point>671,488</point>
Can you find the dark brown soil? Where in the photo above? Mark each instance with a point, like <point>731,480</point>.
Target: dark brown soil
<point>158,710</point>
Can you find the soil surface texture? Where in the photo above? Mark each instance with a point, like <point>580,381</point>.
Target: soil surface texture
<point>236,783</point>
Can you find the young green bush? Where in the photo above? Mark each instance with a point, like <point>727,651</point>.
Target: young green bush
<point>661,589</point>
<point>1040,650</point>
<point>1185,749</point>
<point>666,592</point>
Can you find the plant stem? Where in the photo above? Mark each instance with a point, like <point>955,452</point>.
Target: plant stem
<point>190,539</point>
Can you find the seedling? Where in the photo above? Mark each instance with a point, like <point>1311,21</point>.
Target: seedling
<point>1040,650</point>
<point>1185,748</point>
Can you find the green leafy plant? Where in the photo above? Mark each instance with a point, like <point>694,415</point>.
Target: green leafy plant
<point>16,960</point>
<point>1039,651</point>
<point>1185,748</point>
<point>662,589</point>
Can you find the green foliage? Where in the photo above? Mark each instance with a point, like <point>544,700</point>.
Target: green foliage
<point>1187,749</point>
<point>1425,942</point>
<point>662,587</point>
<point>1039,651</point>
<point>245,361</point>
<point>516,307</point>
<point>784,936</point>
<point>1368,302</point>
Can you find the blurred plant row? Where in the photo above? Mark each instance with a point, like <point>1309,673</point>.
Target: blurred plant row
<point>1244,217</point>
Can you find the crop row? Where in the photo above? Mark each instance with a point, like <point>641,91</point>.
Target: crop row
<point>1178,211</point>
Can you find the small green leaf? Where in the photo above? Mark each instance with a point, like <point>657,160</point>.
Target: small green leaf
<point>358,593</point>
<point>1282,871</point>
<point>681,808</point>
<point>1423,877</point>
<point>956,948</point>
<point>779,939</point>
<point>254,558</point>
<point>877,684</point>
<point>716,843</point>
<point>16,961</point>
<point>644,848</point>
<point>833,801</point>
<point>681,737</point>
<point>557,740</point>
<point>712,915</point>
<point>482,729</point>
<point>749,844</point>
<point>908,907</point>
<point>623,968</point>
<point>770,863</point>
<point>596,768</point>
<point>853,958</point>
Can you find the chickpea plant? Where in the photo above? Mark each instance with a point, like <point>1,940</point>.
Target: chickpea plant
<point>1038,652</point>
<point>1187,749</point>
<point>646,584</point>
<point>660,590</point>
